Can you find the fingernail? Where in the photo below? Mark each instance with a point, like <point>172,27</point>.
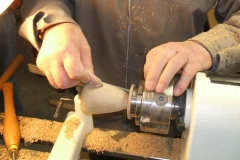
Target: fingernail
<point>96,85</point>
<point>149,85</point>
<point>159,88</point>
<point>176,92</point>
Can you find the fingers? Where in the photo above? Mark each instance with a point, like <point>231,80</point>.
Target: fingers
<point>155,64</point>
<point>70,74</point>
<point>75,69</point>
<point>187,75</point>
<point>165,61</point>
<point>95,80</point>
<point>66,58</point>
<point>51,80</point>
<point>80,70</point>
<point>183,83</point>
<point>86,60</point>
<point>174,64</point>
<point>149,59</point>
<point>60,78</point>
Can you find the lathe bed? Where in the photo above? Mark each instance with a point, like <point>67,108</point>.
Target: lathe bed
<point>129,145</point>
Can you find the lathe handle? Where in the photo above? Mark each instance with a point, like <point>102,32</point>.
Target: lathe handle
<point>105,99</point>
<point>11,128</point>
<point>10,70</point>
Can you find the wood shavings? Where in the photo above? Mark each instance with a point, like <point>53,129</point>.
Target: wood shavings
<point>100,141</point>
<point>33,129</point>
<point>24,154</point>
<point>1,122</point>
<point>4,154</point>
<point>150,145</point>
<point>141,144</point>
<point>71,125</point>
<point>112,132</point>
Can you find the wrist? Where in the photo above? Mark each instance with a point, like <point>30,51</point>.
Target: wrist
<point>199,48</point>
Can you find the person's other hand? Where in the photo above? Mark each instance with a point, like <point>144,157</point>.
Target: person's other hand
<point>164,61</point>
<point>65,57</point>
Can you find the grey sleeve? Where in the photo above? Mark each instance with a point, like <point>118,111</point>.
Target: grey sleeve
<point>223,41</point>
<point>38,15</point>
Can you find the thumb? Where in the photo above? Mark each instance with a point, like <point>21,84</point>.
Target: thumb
<point>94,80</point>
<point>87,64</point>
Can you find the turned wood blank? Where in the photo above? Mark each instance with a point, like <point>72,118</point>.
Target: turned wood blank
<point>105,99</point>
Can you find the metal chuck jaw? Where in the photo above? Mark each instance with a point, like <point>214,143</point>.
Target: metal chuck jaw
<point>154,111</point>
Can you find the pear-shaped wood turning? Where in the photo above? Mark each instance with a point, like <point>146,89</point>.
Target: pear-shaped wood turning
<point>105,99</point>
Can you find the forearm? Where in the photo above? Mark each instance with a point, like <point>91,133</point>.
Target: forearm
<point>223,43</point>
<point>38,15</point>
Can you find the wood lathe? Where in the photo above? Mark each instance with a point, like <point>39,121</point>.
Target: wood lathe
<point>207,114</point>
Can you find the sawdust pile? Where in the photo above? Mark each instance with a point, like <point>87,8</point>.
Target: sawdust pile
<point>24,155</point>
<point>33,129</point>
<point>151,145</point>
<point>112,132</point>
<point>142,144</point>
<point>71,125</point>
<point>100,141</point>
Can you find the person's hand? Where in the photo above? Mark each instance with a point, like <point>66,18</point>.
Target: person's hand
<point>164,61</point>
<point>65,57</point>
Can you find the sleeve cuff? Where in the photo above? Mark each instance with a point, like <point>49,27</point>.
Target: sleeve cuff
<point>219,41</point>
<point>48,16</point>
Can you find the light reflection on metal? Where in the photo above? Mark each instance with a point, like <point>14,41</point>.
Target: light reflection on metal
<point>153,111</point>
